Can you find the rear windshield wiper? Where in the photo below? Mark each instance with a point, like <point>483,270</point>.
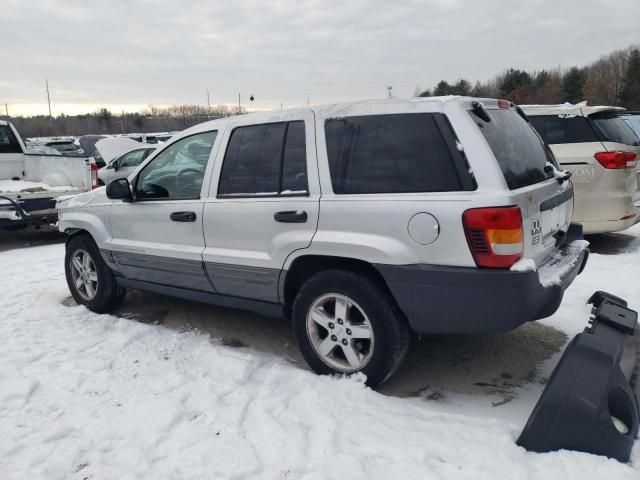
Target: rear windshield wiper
<point>478,109</point>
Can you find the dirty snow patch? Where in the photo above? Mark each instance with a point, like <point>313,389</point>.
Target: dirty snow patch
<point>25,186</point>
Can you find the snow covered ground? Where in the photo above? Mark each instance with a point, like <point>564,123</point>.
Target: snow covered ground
<point>86,396</point>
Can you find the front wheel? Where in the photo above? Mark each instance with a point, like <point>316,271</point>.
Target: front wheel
<point>345,323</point>
<point>90,280</point>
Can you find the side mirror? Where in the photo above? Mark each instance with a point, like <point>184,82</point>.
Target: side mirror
<point>120,189</point>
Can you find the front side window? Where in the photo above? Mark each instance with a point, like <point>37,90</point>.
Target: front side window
<point>178,171</point>
<point>265,159</point>
<point>559,129</point>
<point>389,154</point>
<point>8,141</point>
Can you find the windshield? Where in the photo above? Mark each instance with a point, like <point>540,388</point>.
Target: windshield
<point>614,129</point>
<point>520,153</point>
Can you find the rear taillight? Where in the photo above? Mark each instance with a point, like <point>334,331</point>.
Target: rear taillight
<point>94,176</point>
<point>616,160</point>
<point>495,235</point>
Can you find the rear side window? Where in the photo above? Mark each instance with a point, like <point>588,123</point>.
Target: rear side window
<point>266,159</point>
<point>389,154</point>
<point>556,129</point>
<point>613,129</point>
<point>8,141</point>
<point>520,153</point>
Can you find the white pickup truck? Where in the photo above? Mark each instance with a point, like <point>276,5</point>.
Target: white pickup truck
<point>31,183</point>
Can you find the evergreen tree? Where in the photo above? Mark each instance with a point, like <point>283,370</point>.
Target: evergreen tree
<point>443,88</point>
<point>541,79</point>
<point>463,88</point>
<point>573,85</point>
<point>477,91</point>
<point>512,80</point>
<point>630,91</point>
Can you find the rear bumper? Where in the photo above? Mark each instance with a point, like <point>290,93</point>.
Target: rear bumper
<point>437,299</point>
<point>608,226</point>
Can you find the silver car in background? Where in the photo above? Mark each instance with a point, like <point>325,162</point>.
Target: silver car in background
<point>122,156</point>
<point>601,152</point>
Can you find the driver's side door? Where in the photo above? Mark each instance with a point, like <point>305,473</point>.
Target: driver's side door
<point>158,237</point>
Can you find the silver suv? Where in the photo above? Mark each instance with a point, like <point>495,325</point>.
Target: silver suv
<point>360,222</point>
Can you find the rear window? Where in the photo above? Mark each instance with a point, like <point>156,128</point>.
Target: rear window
<point>8,141</point>
<point>634,122</point>
<point>614,129</point>
<point>397,153</point>
<point>519,151</point>
<point>556,129</point>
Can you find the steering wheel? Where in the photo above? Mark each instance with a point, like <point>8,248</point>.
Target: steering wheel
<point>184,183</point>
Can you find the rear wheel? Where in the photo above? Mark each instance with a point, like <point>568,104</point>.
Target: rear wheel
<point>90,280</point>
<point>345,323</point>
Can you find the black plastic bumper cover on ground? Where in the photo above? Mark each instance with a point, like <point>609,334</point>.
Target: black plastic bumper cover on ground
<point>590,403</point>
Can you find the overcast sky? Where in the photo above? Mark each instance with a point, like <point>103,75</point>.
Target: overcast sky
<point>126,54</point>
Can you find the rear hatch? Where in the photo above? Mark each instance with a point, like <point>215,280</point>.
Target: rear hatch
<point>617,136</point>
<point>530,172</point>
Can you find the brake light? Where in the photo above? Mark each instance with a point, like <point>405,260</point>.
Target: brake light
<point>504,103</point>
<point>94,176</point>
<point>616,160</point>
<point>495,235</point>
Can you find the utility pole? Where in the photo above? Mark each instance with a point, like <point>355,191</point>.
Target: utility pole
<point>6,108</point>
<point>49,101</point>
<point>389,87</point>
<point>208,102</point>
<point>239,107</point>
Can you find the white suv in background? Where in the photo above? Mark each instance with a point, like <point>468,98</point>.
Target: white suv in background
<point>600,150</point>
<point>359,222</point>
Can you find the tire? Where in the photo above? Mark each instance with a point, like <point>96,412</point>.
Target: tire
<point>317,329</point>
<point>105,294</point>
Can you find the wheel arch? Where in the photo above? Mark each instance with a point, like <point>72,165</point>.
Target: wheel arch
<point>305,266</point>
<point>79,223</point>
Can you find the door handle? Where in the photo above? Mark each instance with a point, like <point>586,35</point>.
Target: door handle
<point>183,216</point>
<point>290,216</point>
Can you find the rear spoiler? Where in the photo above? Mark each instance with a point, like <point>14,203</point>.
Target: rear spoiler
<point>590,403</point>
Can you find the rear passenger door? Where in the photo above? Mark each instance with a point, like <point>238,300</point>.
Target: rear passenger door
<point>263,204</point>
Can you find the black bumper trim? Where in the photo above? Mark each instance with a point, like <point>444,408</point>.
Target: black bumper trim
<point>438,299</point>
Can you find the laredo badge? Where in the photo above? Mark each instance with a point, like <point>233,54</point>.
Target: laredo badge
<point>536,231</point>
